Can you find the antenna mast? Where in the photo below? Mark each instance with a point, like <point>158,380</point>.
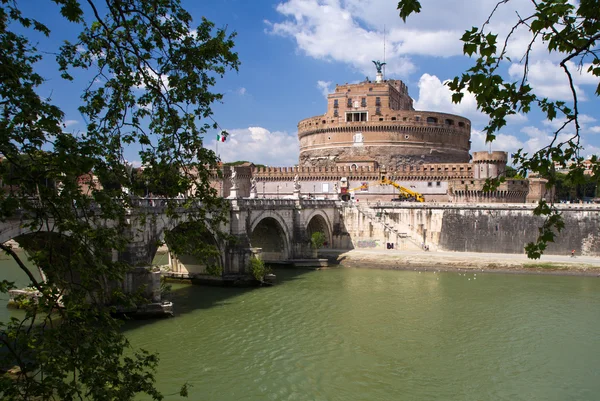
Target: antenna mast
<point>384,51</point>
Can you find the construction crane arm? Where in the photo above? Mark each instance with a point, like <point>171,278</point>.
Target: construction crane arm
<point>404,192</point>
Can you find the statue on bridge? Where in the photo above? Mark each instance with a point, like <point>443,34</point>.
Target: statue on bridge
<point>233,178</point>
<point>296,183</point>
<point>253,190</point>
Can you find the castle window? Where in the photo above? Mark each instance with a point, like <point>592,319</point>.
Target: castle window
<point>356,116</point>
<point>393,118</point>
<point>449,122</point>
<point>370,89</point>
<point>335,114</point>
<point>377,101</point>
<point>323,121</point>
<point>349,102</point>
<point>381,119</point>
<point>417,118</point>
<point>335,103</point>
<point>461,124</point>
<point>378,111</point>
<point>430,184</point>
<point>432,120</point>
<point>363,102</point>
<point>404,119</point>
<point>438,184</point>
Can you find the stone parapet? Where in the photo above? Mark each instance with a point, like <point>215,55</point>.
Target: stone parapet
<point>469,191</point>
<point>405,121</point>
<point>490,157</point>
<point>426,172</point>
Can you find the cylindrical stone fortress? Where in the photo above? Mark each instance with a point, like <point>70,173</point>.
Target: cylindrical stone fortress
<point>375,124</point>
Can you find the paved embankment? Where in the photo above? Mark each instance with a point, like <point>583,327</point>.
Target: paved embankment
<point>450,261</point>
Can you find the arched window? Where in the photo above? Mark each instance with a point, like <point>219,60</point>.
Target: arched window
<point>449,122</point>
<point>432,120</point>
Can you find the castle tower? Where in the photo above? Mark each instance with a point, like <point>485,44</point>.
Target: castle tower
<point>374,123</point>
<point>489,164</point>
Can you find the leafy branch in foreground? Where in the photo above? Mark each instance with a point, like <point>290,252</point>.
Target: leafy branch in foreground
<point>147,76</point>
<point>569,30</point>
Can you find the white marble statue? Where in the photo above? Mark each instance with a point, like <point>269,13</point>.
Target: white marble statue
<point>297,183</point>
<point>233,178</point>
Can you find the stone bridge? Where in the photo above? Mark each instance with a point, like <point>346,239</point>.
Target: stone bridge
<point>279,229</point>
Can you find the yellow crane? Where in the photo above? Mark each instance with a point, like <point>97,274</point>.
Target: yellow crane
<point>405,193</point>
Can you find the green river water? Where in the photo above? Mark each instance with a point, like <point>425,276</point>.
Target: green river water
<point>376,335</point>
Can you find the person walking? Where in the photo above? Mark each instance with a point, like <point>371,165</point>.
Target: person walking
<point>573,253</point>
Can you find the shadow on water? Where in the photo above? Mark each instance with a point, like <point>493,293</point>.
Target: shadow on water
<point>188,298</point>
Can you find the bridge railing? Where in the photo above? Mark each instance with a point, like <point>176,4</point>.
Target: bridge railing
<point>274,202</point>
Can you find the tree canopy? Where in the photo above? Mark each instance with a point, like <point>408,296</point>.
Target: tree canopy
<point>147,76</point>
<point>569,31</point>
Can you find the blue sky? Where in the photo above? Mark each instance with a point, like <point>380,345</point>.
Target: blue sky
<point>293,51</point>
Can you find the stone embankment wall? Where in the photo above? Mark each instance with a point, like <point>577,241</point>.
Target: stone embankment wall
<point>471,228</point>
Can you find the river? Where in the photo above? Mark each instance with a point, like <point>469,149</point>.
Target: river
<point>362,334</point>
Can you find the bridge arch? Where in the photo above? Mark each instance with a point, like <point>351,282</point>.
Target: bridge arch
<point>15,228</point>
<point>269,232</point>
<point>187,260</point>
<point>319,221</point>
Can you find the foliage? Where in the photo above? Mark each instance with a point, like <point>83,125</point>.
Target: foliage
<point>147,76</point>
<point>570,31</point>
<point>317,240</point>
<point>240,162</point>
<point>258,268</point>
<point>512,173</point>
<point>195,239</point>
<point>567,190</point>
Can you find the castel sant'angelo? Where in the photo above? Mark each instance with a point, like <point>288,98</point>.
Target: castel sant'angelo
<point>371,130</point>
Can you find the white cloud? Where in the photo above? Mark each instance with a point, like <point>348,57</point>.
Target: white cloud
<point>327,30</point>
<point>531,139</point>
<point>503,142</point>
<point>69,123</point>
<point>584,120</point>
<point>151,76</point>
<point>241,91</point>
<point>352,31</point>
<point>595,129</point>
<point>435,96</point>
<point>259,145</point>
<point>516,118</point>
<point>549,79</point>
<point>324,87</point>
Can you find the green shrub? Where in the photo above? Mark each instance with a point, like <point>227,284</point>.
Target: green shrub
<point>317,240</point>
<point>258,268</point>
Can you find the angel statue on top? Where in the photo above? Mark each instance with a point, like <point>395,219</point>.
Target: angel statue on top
<point>378,65</point>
